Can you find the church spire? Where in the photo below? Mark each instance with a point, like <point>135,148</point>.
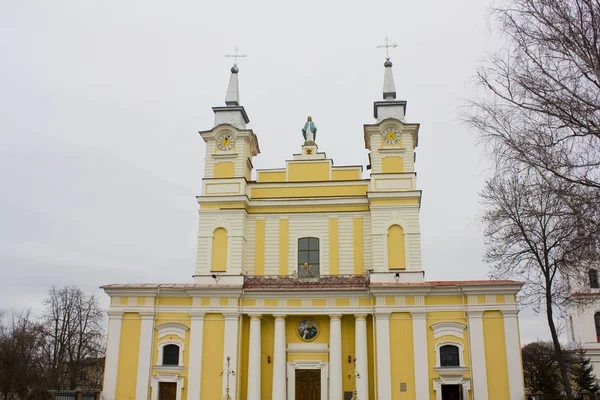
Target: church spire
<point>389,107</point>
<point>389,88</point>
<point>232,113</point>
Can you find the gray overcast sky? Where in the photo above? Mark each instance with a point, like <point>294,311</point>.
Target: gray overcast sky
<point>101,101</point>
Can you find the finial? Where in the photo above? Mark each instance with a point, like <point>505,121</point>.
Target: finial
<point>387,47</point>
<point>388,63</point>
<point>235,69</point>
<point>236,54</point>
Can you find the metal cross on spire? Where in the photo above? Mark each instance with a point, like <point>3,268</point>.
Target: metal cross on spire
<point>387,47</point>
<point>236,54</point>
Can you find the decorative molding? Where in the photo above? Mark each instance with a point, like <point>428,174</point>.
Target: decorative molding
<point>306,364</point>
<point>448,328</point>
<point>172,328</point>
<point>161,346</point>
<point>461,354</point>
<point>157,379</point>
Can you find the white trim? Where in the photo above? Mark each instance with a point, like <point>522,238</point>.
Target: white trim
<point>419,323</point>
<point>461,354</point>
<point>145,356</point>
<point>513,355</point>
<point>306,364</point>
<point>477,346</point>
<point>172,328</point>
<point>382,331</point>
<point>156,380</point>
<point>115,320</point>
<point>449,329</point>
<point>164,343</point>
<point>451,380</point>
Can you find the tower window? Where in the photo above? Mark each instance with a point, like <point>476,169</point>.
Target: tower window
<point>593,275</point>
<point>597,321</point>
<point>308,257</point>
<point>449,356</point>
<point>170,355</point>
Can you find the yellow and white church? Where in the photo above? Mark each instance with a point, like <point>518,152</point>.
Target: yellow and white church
<point>309,285</point>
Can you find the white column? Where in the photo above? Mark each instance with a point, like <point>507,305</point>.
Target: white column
<point>360,351</point>
<point>477,351</point>
<point>254,359</point>
<point>335,357</point>
<point>419,323</point>
<point>195,355</point>
<point>145,355</point>
<point>279,359</point>
<point>230,349</point>
<point>382,328</point>
<point>115,319</point>
<point>513,354</point>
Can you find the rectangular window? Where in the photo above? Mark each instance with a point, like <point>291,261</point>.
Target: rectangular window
<point>308,257</point>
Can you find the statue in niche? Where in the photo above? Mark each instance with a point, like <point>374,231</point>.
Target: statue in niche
<point>309,132</point>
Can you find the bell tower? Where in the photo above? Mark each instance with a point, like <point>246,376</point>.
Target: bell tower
<point>394,200</point>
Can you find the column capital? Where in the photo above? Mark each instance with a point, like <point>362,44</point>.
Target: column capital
<point>418,314</point>
<point>382,315</point>
<point>197,315</point>
<point>510,313</point>
<point>474,314</point>
<point>231,316</point>
<point>335,316</point>
<point>113,314</point>
<point>279,316</point>
<point>254,316</point>
<point>147,314</point>
<point>360,316</point>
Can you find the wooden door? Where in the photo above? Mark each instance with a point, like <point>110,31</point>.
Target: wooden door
<point>167,391</point>
<point>308,384</point>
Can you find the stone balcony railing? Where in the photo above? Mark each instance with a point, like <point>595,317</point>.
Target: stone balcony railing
<point>306,282</point>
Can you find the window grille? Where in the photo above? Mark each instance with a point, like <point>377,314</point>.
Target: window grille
<point>449,356</point>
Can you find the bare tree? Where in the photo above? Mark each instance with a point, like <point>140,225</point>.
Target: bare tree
<point>20,358</point>
<point>74,334</point>
<point>534,236</point>
<point>545,105</point>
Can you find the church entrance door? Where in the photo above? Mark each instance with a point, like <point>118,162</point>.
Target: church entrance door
<point>451,392</point>
<point>167,391</point>
<point>308,384</point>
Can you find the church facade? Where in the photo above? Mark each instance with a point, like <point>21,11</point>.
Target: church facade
<point>309,285</point>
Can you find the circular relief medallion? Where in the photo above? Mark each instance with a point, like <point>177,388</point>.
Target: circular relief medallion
<point>390,136</point>
<point>308,329</point>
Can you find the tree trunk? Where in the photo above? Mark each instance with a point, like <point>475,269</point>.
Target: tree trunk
<point>557,349</point>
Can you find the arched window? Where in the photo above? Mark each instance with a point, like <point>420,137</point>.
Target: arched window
<point>170,355</point>
<point>449,356</point>
<point>308,257</point>
<point>597,321</point>
<point>219,251</point>
<point>593,275</point>
<point>395,247</point>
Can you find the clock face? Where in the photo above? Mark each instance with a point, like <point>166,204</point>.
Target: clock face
<point>225,141</point>
<point>390,136</point>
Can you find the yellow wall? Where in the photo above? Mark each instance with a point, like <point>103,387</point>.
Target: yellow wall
<point>345,174</point>
<point>129,348</point>
<point>495,355</point>
<point>259,256</point>
<point>309,191</point>
<point>245,342</point>
<point>267,330</point>
<point>219,250</point>
<point>212,357</point>
<point>333,246</point>
<point>402,356</point>
<point>396,252</point>
<point>308,171</point>
<point>359,267</point>
<point>348,341</point>
<point>391,165</point>
<point>271,176</point>
<point>224,170</point>
<point>284,229</point>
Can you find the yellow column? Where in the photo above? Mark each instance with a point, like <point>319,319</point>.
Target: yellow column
<point>359,267</point>
<point>284,230</point>
<point>333,246</point>
<point>259,256</point>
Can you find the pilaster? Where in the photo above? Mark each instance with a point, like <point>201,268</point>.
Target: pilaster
<point>513,354</point>
<point>419,323</point>
<point>145,355</point>
<point>382,328</point>
<point>477,351</point>
<point>115,319</point>
<point>195,355</point>
<point>335,357</point>
<point>362,363</point>
<point>279,359</point>
<point>254,359</point>
<point>230,347</point>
